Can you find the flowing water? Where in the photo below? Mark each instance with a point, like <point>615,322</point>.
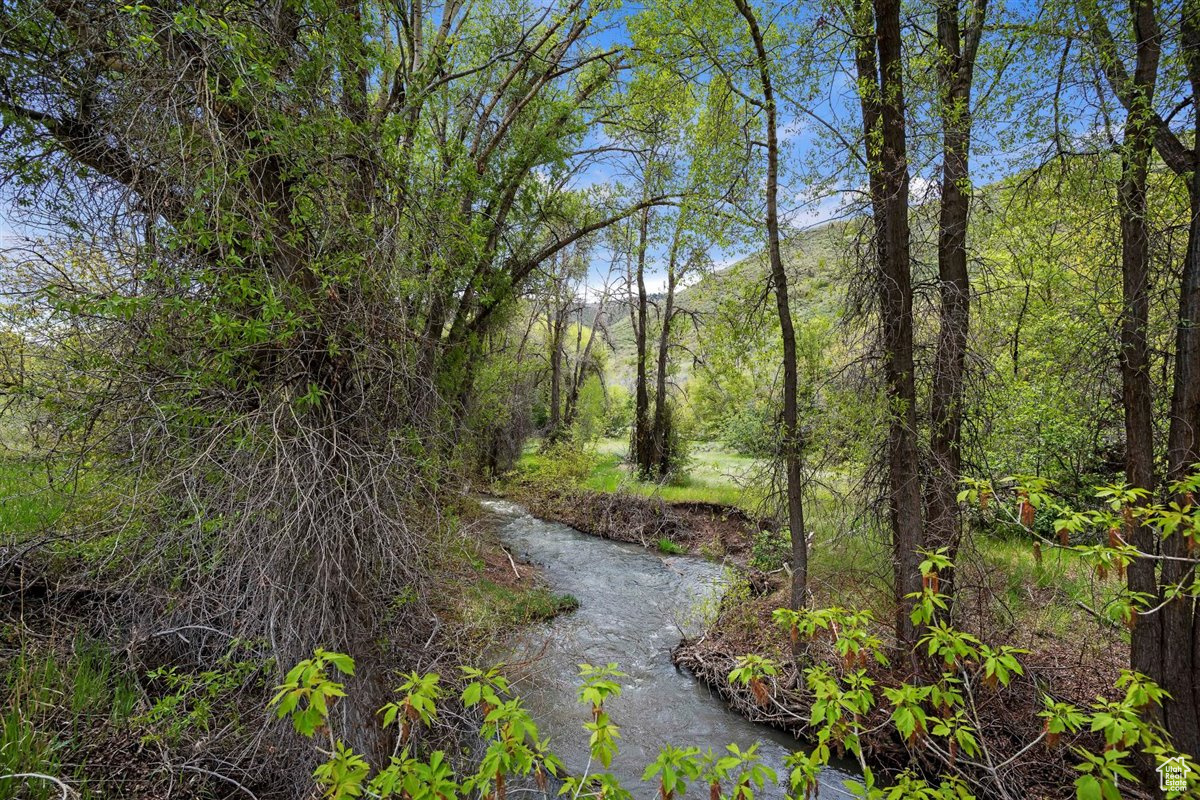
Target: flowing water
<point>634,606</point>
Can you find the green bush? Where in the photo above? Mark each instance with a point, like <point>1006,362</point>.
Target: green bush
<point>679,453</point>
<point>561,465</point>
<point>770,550</point>
<point>193,700</point>
<point>750,431</point>
<point>514,747</point>
<point>590,417</point>
<point>618,411</point>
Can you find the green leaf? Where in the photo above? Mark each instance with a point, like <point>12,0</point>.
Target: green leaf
<point>1088,788</point>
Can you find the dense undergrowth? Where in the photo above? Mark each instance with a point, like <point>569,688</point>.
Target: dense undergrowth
<point>66,707</point>
<point>94,710</point>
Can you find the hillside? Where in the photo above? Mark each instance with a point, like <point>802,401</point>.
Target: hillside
<point>812,264</point>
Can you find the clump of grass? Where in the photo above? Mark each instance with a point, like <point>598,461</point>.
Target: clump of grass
<point>57,701</point>
<point>491,608</point>
<point>542,604</point>
<point>665,545</point>
<point>27,503</point>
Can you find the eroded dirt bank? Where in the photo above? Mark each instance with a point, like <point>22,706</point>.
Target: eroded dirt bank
<point>707,529</point>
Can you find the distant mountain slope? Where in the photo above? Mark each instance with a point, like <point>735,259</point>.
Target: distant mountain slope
<point>813,262</point>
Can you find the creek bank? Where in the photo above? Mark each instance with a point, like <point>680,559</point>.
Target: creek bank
<point>1007,717</point>
<point>492,591</point>
<point>711,530</point>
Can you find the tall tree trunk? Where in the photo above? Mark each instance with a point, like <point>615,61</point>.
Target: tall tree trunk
<point>581,369</point>
<point>574,374</point>
<point>642,455</point>
<point>1179,634</point>
<point>557,326</point>
<point>881,78</point>
<point>661,433</point>
<point>878,60</point>
<point>956,73</point>
<point>556,322</point>
<point>791,435</point>
<point>1137,391</point>
<point>1180,648</point>
<point>1165,644</point>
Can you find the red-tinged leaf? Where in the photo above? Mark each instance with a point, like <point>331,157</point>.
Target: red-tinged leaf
<point>761,696</point>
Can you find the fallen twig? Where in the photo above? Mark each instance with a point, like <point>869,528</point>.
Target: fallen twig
<point>67,791</point>
<point>513,563</point>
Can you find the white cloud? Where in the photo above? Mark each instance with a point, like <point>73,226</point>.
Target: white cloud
<point>922,189</point>
<point>656,283</point>
<point>814,206</point>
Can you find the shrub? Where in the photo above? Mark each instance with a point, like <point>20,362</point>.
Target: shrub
<point>750,431</point>
<point>618,411</point>
<point>560,465</point>
<point>845,696</point>
<point>770,550</point>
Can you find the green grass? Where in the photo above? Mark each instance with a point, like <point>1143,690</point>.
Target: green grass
<point>27,503</point>
<point>713,465</point>
<point>55,703</point>
<point>665,545</point>
<point>713,476</point>
<point>1063,576</point>
<point>542,604</point>
<point>492,607</point>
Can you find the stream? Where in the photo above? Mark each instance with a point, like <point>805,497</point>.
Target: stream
<point>634,606</point>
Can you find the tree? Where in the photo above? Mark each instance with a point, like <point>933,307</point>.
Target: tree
<point>878,60</point>
<point>1165,644</point>
<point>587,360</point>
<point>659,107</point>
<point>958,44</point>
<point>731,47</point>
<point>792,437</point>
<point>563,303</point>
<point>291,349</point>
<point>713,166</point>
